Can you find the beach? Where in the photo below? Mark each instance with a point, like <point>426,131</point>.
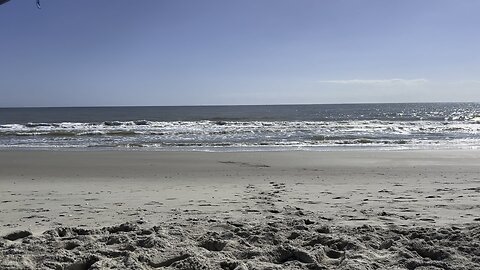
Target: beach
<point>120,209</point>
<point>239,135</point>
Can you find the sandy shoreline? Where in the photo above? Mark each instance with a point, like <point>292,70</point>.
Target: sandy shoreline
<point>88,190</point>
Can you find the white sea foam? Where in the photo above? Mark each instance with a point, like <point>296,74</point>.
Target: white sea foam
<point>158,134</point>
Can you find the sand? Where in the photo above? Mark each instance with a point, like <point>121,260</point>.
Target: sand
<point>243,210</point>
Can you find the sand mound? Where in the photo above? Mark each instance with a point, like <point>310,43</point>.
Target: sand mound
<point>291,243</point>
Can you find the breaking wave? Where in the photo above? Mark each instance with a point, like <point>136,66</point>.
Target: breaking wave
<point>204,134</point>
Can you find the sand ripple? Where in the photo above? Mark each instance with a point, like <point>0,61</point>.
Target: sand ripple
<point>273,243</point>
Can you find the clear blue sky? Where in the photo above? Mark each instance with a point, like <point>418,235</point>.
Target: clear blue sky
<point>153,52</point>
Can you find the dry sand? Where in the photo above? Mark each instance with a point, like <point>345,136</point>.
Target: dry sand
<point>244,210</point>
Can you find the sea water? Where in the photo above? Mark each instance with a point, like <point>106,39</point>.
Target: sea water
<point>245,128</point>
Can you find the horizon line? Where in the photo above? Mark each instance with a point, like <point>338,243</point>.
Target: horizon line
<point>236,105</point>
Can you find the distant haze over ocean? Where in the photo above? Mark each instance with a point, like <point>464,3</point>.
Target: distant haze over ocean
<point>239,128</point>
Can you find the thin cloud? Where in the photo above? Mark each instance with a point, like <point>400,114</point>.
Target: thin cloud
<point>469,82</point>
<point>377,82</point>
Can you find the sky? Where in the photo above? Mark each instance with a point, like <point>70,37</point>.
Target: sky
<point>190,52</point>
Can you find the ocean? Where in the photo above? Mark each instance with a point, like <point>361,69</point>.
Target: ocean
<point>245,128</point>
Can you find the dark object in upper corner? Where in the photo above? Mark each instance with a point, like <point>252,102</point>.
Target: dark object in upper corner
<point>5,1</point>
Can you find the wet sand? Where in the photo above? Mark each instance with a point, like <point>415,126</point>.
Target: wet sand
<point>243,210</point>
